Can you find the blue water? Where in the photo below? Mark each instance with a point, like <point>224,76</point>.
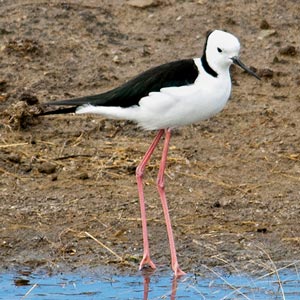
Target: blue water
<point>115,287</point>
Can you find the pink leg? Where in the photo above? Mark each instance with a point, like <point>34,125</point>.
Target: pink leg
<point>161,189</point>
<point>139,176</point>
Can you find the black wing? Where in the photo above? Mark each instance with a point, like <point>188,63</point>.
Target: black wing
<point>177,73</point>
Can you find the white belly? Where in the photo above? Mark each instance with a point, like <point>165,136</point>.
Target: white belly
<point>178,106</point>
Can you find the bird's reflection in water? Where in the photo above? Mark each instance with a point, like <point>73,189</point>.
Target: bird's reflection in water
<point>147,281</point>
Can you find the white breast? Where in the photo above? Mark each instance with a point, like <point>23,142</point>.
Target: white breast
<point>178,106</point>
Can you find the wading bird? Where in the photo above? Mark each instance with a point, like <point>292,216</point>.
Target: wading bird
<point>165,97</point>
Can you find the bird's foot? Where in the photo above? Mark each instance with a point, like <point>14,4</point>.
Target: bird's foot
<point>177,271</point>
<point>147,262</point>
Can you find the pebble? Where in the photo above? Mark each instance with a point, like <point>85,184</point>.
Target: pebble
<point>83,176</point>
<point>3,85</point>
<point>15,158</point>
<point>288,50</point>
<point>116,59</point>
<point>47,168</point>
<point>143,3</point>
<point>265,33</point>
<point>264,25</point>
<point>266,73</point>
<point>276,84</point>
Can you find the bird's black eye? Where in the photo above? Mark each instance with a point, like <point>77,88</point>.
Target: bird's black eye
<point>219,50</point>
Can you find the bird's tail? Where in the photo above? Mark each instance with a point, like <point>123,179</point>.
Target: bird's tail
<point>72,103</point>
<point>58,111</point>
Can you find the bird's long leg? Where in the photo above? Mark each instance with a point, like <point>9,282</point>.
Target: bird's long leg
<point>139,177</point>
<point>161,189</point>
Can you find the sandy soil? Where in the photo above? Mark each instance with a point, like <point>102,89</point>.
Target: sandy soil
<point>232,181</point>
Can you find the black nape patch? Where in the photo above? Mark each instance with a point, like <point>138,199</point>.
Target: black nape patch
<point>207,67</point>
<point>205,64</point>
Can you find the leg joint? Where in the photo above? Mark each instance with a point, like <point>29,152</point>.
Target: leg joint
<point>160,183</point>
<point>139,172</point>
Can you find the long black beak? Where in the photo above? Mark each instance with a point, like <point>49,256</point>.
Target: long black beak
<point>237,61</point>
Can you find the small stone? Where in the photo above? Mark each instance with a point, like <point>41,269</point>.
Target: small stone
<point>222,203</point>
<point>21,282</point>
<point>15,158</point>
<point>288,50</point>
<point>216,204</point>
<point>54,177</point>
<point>143,3</point>
<point>267,73</point>
<point>265,33</point>
<point>262,230</point>
<point>230,21</point>
<point>83,176</point>
<point>264,25</point>
<point>276,60</point>
<point>3,97</point>
<point>27,168</point>
<point>116,59</point>
<point>3,85</point>
<point>276,84</point>
<point>47,168</point>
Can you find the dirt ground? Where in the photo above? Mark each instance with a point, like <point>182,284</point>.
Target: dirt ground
<point>233,182</point>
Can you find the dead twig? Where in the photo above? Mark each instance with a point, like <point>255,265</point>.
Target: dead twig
<point>13,145</point>
<point>235,290</point>
<point>29,291</point>
<point>104,246</point>
<point>274,269</point>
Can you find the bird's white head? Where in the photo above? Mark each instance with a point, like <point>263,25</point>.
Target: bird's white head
<point>220,47</point>
<point>220,51</point>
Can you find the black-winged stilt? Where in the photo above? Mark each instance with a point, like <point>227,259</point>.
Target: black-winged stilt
<point>168,96</point>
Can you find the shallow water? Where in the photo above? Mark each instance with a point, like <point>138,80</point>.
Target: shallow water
<point>157,286</point>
